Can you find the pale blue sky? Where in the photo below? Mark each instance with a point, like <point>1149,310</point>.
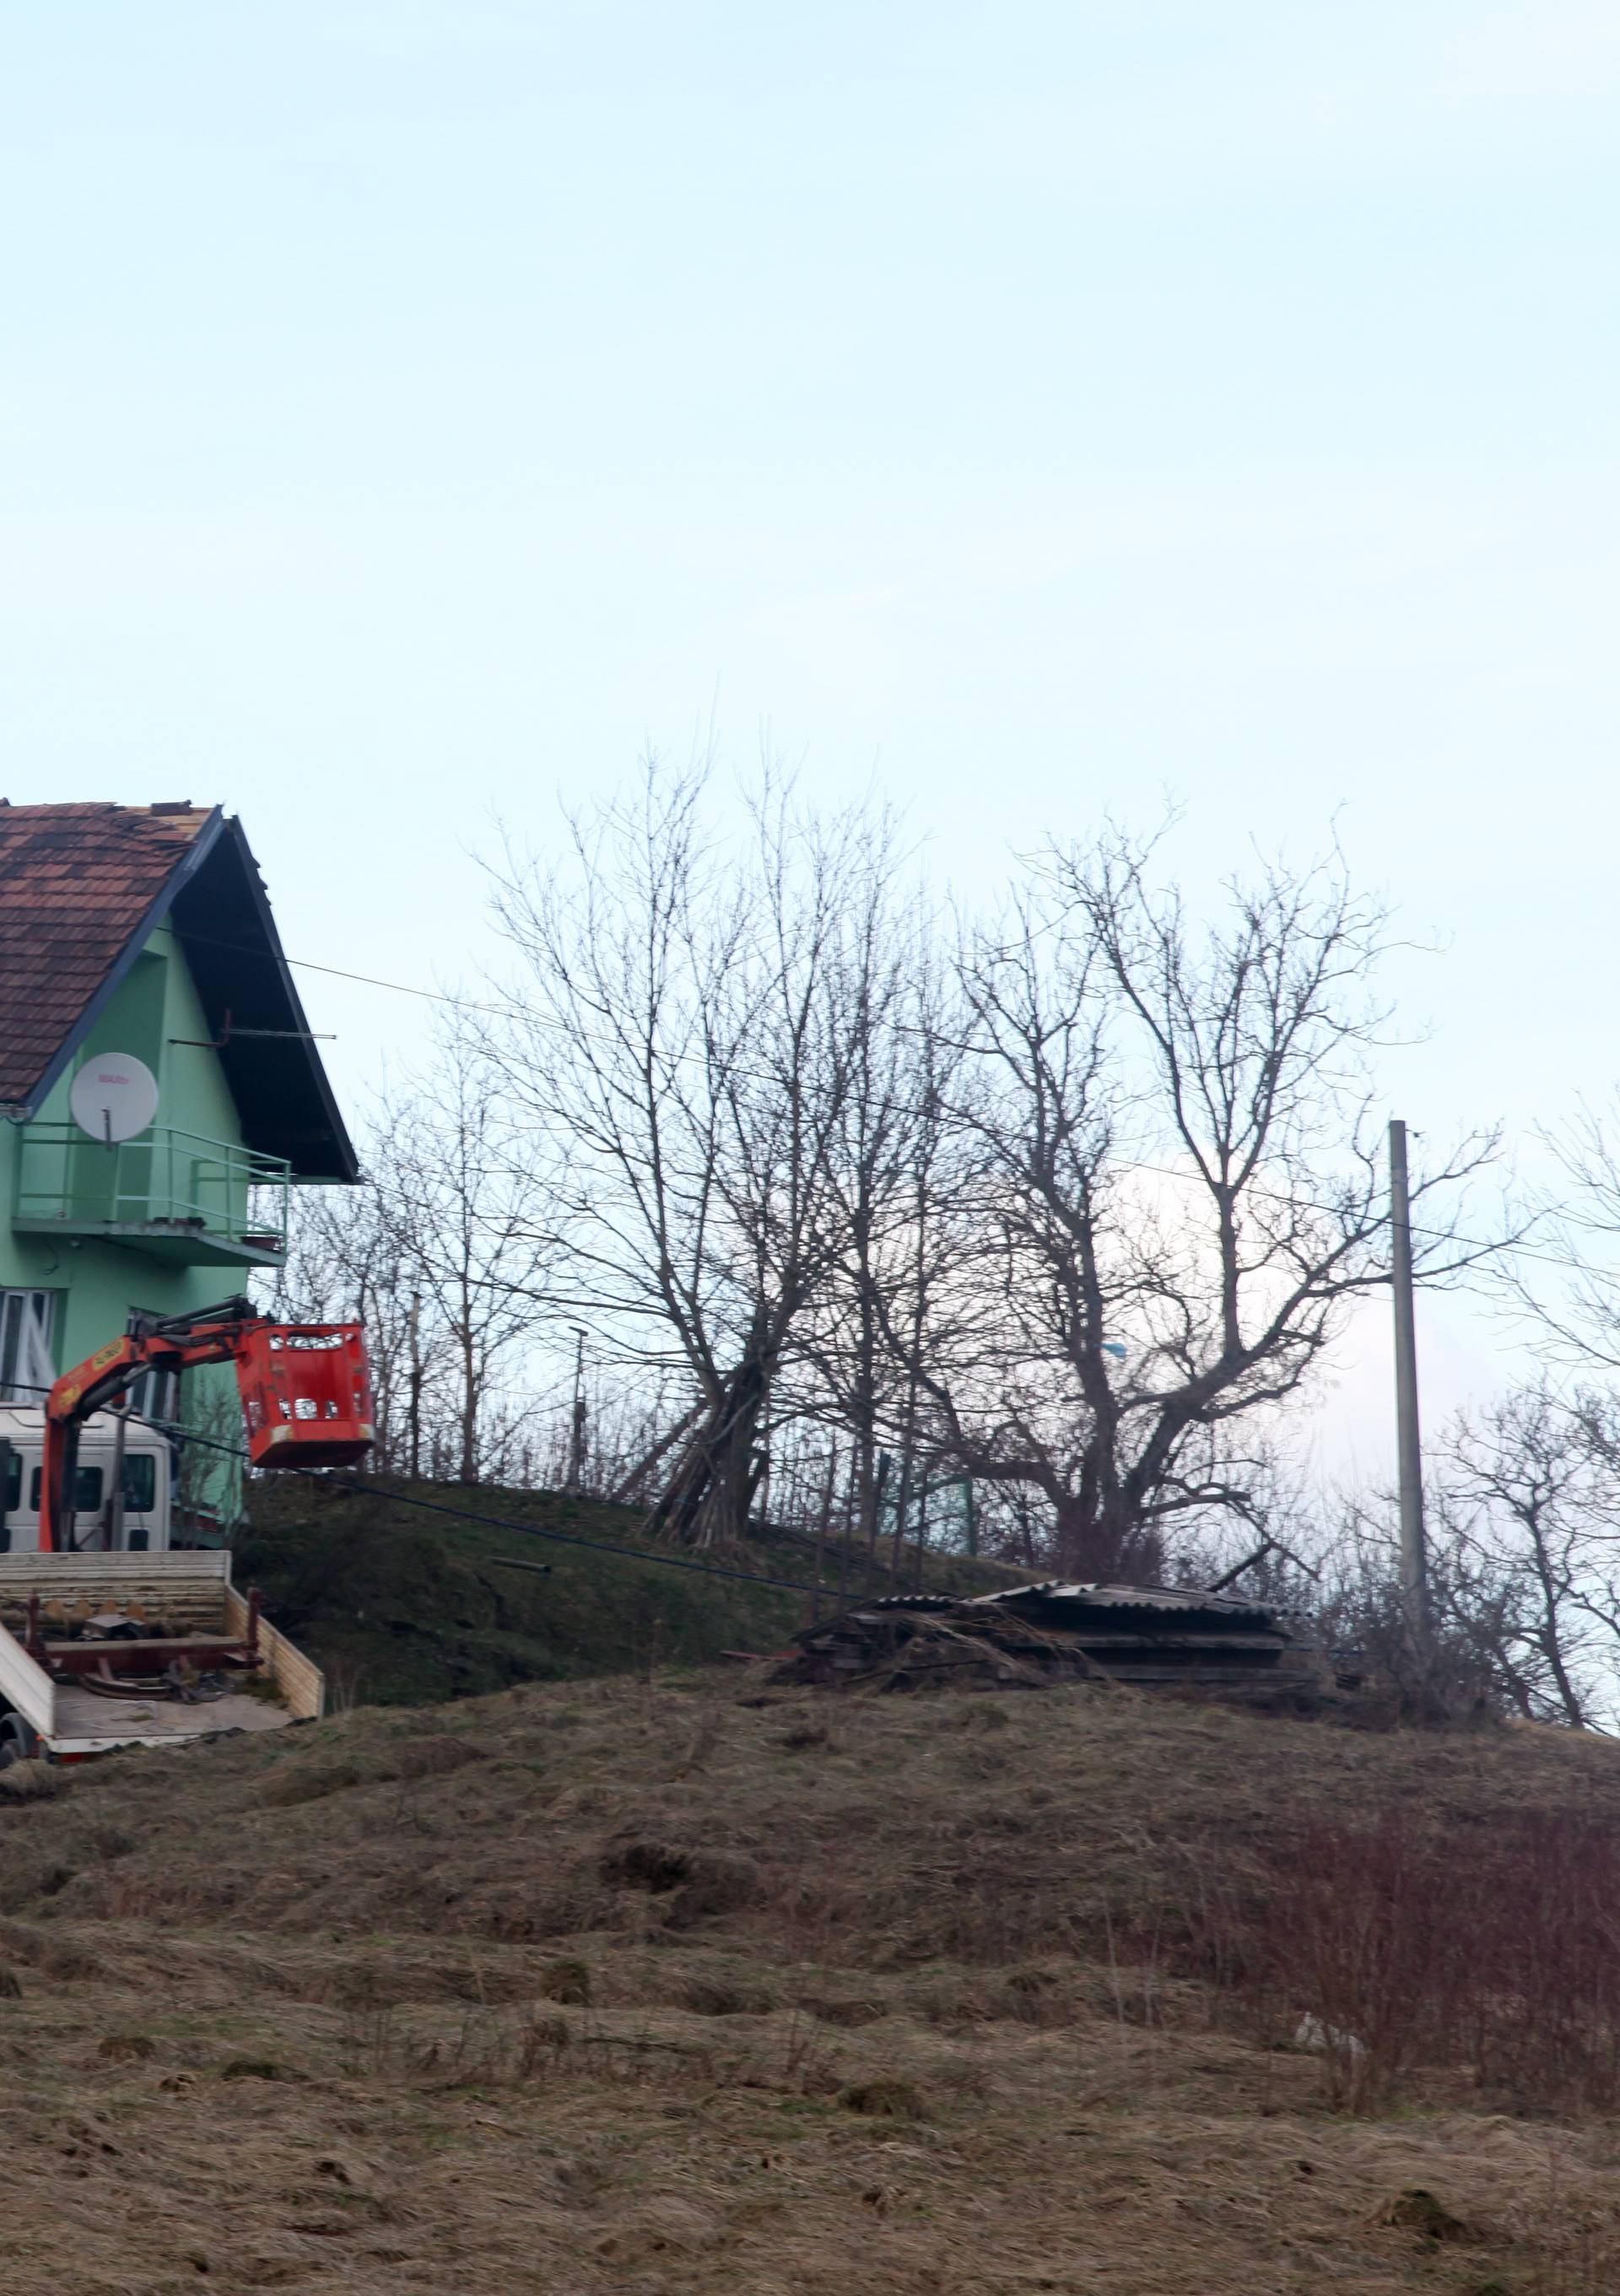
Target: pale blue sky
<point>409,408</point>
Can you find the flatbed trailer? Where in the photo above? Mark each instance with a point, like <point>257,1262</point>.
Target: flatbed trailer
<point>71,1687</point>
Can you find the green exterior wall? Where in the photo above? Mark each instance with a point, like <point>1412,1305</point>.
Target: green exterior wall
<point>101,1282</point>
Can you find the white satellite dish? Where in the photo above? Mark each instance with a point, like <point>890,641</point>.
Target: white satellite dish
<point>114,1096</point>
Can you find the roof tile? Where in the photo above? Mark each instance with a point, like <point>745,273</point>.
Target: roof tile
<point>75,882</point>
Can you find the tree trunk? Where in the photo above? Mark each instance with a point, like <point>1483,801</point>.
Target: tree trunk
<point>709,1496</point>
<point>1107,1546</point>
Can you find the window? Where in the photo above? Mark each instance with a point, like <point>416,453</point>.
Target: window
<point>156,1395</point>
<point>140,1486</point>
<point>140,1482</point>
<point>10,1491</point>
<point>86,1490</point>
<point>27,1337</point>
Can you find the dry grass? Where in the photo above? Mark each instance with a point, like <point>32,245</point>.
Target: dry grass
<point>623,1988</point>
<point>1489,1950</point>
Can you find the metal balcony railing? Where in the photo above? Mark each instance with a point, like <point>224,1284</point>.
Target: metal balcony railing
<point>174,1194</point>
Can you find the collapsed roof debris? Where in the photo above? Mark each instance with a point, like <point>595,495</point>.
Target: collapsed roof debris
<point>1027,1638</point>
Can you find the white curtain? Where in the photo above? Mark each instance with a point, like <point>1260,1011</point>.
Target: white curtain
<point>25,1365</point>
<point>35,1368</point>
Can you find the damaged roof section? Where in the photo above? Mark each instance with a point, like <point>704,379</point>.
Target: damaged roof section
<point>1029,1637</point>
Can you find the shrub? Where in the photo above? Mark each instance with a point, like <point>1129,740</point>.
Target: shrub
<point>1397,1946</point>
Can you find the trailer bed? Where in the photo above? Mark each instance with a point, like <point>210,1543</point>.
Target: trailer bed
<point>180,1593</point>
<point>87,1723</point>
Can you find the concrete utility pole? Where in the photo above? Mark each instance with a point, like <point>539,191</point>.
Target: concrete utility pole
<point>1414,1548</point>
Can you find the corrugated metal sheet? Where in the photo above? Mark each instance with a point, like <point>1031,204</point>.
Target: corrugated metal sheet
<point>1083,1595</point>
<point>1157,1599</point>
<point>1177,1638</point>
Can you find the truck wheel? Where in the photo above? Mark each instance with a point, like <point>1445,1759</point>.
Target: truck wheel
<point>18,1741</point>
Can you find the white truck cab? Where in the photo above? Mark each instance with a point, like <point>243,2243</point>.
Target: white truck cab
<point>125,1639</point>
<point>147,1471</point>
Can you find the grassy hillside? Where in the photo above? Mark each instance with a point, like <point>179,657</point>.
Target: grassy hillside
<point>405,1607</point>
<point>659,1986</point>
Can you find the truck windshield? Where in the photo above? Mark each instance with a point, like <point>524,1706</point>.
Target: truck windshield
<point>86,1490</point>
<point>140,1486</point>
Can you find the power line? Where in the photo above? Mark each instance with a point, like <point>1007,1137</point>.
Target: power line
<point>564,1028</point>
<point>329,1476</point>
<point>371,980</point>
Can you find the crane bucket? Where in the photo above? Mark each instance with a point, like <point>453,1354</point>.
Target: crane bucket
<point>306,1394</point>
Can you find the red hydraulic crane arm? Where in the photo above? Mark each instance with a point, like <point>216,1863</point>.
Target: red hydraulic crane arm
<point>179,1343</point>
<point>305,1393</point>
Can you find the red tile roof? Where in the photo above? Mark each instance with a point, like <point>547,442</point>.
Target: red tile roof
<point>76,881</point>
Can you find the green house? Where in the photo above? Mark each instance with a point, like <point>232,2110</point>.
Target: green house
<point>137,949</point>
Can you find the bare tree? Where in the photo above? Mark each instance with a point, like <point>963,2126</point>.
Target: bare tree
<point>1073,1206</point>
<point>681,1023</point>
<point>1526,1530</point>
<point>891,1158</point>
<point>474,1230</point>
<point>1177,1191</point>
<point>1340,1581</point>
<point>1567,1289</point>
<point>1517,1506</point>
<point>1527,1506</point>
<point>344,1260</point>
<point>443,1254</point>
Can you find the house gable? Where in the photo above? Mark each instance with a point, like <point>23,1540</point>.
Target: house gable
<point>80,888</point>
<point>84,889</point>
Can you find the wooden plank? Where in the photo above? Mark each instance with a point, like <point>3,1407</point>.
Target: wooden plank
<point>25,1686</point>
<point>87,1654</point>
<point>186,1590</point>
<point>301,1684</point>
<point>1260,1648</point>
<point>1243,1676</point>
<point>29,1570</point>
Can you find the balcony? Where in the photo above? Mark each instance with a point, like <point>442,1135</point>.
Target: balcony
<point>169,1195</point>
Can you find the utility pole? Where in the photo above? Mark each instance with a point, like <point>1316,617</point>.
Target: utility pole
<point>415,1423</point>
<point>1414,1550</point>
<point>576,1434</point>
